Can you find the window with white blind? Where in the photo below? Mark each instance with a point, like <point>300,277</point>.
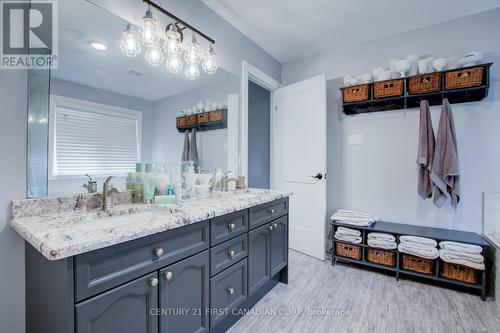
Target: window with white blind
<point>92,138</point>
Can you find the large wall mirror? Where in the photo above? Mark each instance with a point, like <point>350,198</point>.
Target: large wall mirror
<point>100,111</point>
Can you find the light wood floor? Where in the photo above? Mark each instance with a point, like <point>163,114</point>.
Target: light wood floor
<point>378,303</point>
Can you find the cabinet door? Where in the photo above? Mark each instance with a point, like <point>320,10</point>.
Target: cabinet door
<point>279,244</point>
<point>125,309</point>
<point>258,258</point>
<point>184,295</point>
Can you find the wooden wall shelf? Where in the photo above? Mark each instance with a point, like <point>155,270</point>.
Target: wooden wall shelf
<point>409,101</point>
<point>206,121</point>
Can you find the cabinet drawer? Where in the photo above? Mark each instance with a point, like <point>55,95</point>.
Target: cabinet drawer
<point>228,226</point>
<point>227,253</point>
<point>106,268</point>
<point>267,212</point>
<point>228,290</point>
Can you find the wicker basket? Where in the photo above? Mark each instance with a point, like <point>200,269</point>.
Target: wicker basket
<point>390,88</point>
<point>464,78</point>
<point>216,115</point>
<point>424,83</point>
<point>382,257</point>
<point>356,93</point>
<point>348,250</point>
<point>417,264</point>
<point>459,272</point>
<point>191,120</point>
<point>181,122</point>
<point>202,118</point>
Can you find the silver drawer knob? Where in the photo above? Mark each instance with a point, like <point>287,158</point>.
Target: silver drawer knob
<point>231,253</point>
<point>167,275</point>
<point>271,211</point>
<point>153,282</point>
<point>275,225</point>
<point>230,291</point>
<point>231,226</point>
<point>270,228</point>
<point>159,252</point>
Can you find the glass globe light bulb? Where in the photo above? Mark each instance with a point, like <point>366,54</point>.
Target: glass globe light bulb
<point>149,33</point>
<point>192,71</point>
<point>173,44</point>
<point>192,52</point>
<point>154,55</point>
<point>174,64</point>
<point>130,45</point>
<point>209,64</point>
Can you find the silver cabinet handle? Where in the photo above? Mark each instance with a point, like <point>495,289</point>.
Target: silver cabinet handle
<point>231,253</point>
<point>270,228</point>
<point>275,225</point>
<point>153,282</point>
<point>230,291</point>
<point>167,275</point>
<point>231,226</point>
<point>159,252</point>
<point>271,211</point>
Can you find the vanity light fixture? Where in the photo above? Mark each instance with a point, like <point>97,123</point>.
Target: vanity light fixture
<point>130,45</point>
<point>99,46</point>
<point>177,57</point>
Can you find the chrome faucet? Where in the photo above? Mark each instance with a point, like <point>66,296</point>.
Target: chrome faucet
<point>107,194</point>
<point>225,181</point>
<point>91,185</point>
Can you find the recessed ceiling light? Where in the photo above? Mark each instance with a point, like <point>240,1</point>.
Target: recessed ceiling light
<point>98,46</point>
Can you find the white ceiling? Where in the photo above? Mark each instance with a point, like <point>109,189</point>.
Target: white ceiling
<point>293,29</point>
<point>80,24</point>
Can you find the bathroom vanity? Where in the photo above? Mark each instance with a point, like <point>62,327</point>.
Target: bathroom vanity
<point>214,258</point>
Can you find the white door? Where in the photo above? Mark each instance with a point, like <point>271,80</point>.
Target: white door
<point>299,160</point>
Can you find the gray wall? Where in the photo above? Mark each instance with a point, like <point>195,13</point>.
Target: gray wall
<point>168,142</point>
<point>13,101</point>
<point>259,136</point>
<point>380,176</point>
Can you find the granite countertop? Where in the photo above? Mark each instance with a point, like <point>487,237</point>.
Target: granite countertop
<point>64,234</point>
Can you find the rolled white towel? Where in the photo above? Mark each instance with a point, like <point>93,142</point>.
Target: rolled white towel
<point>428,253</point>
<point>381,236</point>
<point>418,240</point>
<point>349,239</point>
<point>383,244</point>
<point>461,247</point>
<point>348,231</point>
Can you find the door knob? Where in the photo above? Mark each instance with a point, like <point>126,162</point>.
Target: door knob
<point>318,176</point>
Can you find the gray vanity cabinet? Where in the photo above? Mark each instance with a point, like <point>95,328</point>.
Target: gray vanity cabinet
<point>279,244</point>
<point>259,252</point>
<point>184,296</point>
<point>125,309</point>
<point>192,279</point>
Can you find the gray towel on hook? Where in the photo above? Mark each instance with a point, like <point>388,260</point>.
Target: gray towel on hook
<point>426,143</point>
<point>185,149</point>
<point>193,149</point>
<point>445,169</point>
